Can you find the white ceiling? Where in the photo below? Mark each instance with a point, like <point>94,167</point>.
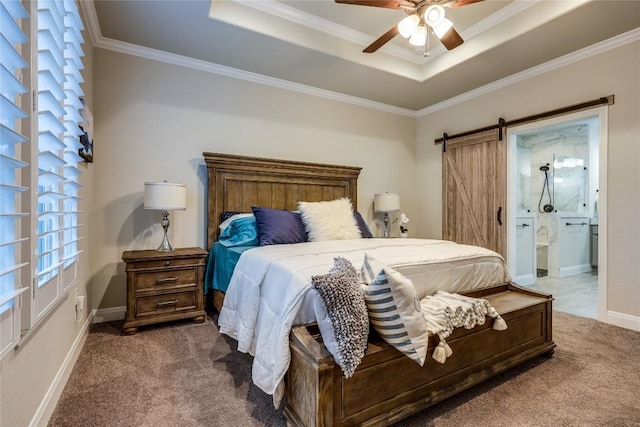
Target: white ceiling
<point>317,44</point>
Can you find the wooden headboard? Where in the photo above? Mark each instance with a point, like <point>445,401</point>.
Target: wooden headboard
<point>235,183</point>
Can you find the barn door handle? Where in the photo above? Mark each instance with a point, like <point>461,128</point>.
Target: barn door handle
<point>500,215</point>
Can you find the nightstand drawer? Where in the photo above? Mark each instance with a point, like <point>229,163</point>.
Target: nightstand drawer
<point>166,303</point>
<point>163,263</point>
<point>157,280</point>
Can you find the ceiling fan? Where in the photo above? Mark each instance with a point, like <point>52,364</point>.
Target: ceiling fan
<point>422,15</point>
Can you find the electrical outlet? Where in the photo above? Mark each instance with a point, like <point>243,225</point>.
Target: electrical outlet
<point>79,303</point>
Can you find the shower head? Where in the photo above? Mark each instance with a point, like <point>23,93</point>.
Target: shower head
<point>544,168</point>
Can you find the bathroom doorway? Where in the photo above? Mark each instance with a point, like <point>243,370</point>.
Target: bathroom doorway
<point>556,189</point>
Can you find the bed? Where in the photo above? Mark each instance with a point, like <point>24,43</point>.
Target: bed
<point>387,386</point>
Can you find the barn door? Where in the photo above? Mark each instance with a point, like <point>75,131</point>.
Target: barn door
<point>474,191</point>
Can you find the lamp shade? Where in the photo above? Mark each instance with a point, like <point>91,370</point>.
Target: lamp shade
<point>165,196</point>
<point>419,36</point>
<point>434,15</point>
<point>386,202</point>
<point>442,28</point>
<point>408,25</point>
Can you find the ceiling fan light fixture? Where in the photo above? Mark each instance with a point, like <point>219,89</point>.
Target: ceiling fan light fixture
<point>442,29</point>
<point>419,36</point>
<point>408,25</point>
<point>434,16</point>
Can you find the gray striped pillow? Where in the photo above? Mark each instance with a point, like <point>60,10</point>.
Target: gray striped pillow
<point>394,309</point>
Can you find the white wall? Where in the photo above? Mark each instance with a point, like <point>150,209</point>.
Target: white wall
<point>154,120</point>
<point>614,72</point>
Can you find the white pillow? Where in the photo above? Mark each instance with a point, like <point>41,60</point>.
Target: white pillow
<point>224,224</point>
<point>394,310</point>
<point>332,220</point>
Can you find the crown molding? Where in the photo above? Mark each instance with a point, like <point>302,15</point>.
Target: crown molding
<point>331,28</point>
<point>498,17</point>
<point>222,70</point>
<point>91,20</point>
<point>99,41</point>
<point>587,52</point>
<point>297,16</point>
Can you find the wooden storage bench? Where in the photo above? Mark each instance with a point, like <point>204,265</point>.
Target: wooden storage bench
<point>388,386</point>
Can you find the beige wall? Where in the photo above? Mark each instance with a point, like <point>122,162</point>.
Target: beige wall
<point>614,72</point>
<point>155,120</point>
<point>45,356</point>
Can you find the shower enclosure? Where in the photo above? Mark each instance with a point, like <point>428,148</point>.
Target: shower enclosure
<point>554,210</point>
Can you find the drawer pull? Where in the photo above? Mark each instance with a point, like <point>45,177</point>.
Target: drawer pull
<point>167,263</point>
<point>165,280</point>
<point>166,303</point>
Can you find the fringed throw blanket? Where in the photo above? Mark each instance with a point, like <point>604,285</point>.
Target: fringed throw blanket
<point>443,312</point>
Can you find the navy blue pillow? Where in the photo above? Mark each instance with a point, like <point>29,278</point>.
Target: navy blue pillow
<point>279,226</point>
<point>365,232</point>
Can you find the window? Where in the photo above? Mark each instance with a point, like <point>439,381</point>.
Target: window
<point>12,65</point>
<point>58,103</point>
<point>39,205</point>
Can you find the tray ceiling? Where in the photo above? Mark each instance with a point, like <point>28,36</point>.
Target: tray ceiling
<point>318,43</point>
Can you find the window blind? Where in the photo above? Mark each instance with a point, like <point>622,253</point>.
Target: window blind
<point>11,161</point>
<point>59,62</point>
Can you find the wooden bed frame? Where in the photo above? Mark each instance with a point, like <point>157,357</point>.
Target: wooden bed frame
<point>387,386</point>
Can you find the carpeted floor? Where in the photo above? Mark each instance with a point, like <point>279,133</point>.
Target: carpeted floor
<point>185,374</point>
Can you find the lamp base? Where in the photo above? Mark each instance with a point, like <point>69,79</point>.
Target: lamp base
<point>386,225</point>
<point>165,246</point>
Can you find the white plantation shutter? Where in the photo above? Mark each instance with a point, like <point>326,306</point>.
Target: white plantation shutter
<point>38,159</point>
<point>72,105</point>
<point>58,104</point>
<point>14,279</point>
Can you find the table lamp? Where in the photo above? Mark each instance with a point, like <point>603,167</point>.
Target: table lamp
<point>165,196</point>
<point>386,202</point>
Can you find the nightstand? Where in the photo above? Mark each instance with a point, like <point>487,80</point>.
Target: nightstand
<point>164,286</point>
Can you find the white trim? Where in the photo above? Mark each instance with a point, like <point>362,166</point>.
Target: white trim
<point>574,269</point>
<point>526,279</point>
<point>623,320</point>
<point>297,16</point>
<point>91,20</point>
<point>105,43</point>
<point>331,28</point>
<point>235,73</point>
<point>587,52</point>
<point>603,194</point>
<point>51,397</point>
<point>602,113</point>
<point>108,314</point>
<point>497,18</point>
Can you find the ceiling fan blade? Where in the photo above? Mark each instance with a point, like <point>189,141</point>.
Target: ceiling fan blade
<point>387,4</point>
<point>460,3</point>
<point>382,40</point>
<point>451,39</point>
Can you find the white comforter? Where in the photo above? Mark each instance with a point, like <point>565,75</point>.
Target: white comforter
<point>270,290</point>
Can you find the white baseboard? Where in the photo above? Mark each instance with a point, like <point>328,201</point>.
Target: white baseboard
<point>50,400</point>
<point>623,320</point>
<point>525,279</point>
<point>574,269</point>
<point>109,314</point>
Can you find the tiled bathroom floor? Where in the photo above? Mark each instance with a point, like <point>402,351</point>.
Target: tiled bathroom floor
<point>577,294</point>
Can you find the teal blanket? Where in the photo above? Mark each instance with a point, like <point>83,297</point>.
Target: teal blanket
<point>220,265</point>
